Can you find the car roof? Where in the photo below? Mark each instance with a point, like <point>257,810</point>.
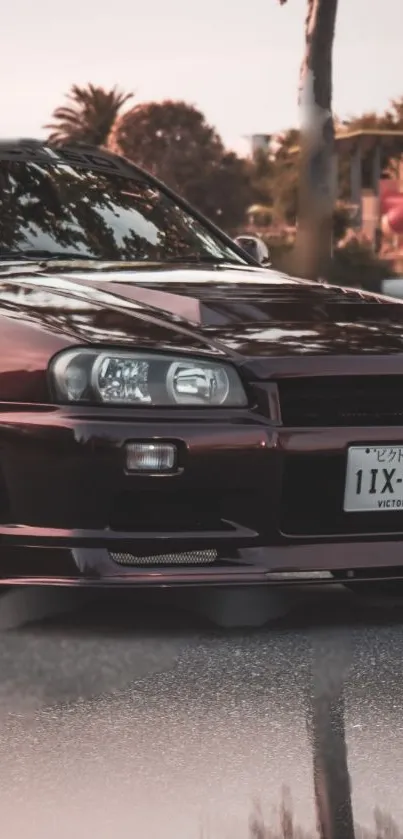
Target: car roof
<point>82,155</point>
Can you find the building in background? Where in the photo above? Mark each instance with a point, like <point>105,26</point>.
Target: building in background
<point>259,142</point>
<point>377,200</point>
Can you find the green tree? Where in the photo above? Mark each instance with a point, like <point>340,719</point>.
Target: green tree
<point>261,173</point>
<point>286,176</point>
<point>174,142</point>
<point>88,116</point>
<point>369,120</point>
<point>226,192</point>
<point>394,115</point>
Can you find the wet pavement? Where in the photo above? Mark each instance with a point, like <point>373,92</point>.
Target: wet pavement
<point>123,716</point>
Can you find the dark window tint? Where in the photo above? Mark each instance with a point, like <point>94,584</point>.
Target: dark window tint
<point>89,213</point>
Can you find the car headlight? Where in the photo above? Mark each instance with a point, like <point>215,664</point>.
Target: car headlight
<point>140,378</point>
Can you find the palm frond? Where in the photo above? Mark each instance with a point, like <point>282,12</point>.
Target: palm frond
<point>87,116</point>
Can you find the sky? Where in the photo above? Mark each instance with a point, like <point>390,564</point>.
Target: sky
<point>238,62</point>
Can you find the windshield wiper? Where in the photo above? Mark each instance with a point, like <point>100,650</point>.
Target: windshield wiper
<point>205,259</point>
<point>37,254</point>
<point>40,255</point>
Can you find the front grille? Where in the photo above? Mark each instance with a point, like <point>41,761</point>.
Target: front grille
<point>312,501</point>
<point>342,401</point>
<point>186,558</point>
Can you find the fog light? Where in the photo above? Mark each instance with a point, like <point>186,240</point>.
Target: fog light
<point>150,457</point>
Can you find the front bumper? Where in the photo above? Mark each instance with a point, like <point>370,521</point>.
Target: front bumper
<point>67,506</point>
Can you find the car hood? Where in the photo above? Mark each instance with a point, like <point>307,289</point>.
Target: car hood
<point>241,312</point>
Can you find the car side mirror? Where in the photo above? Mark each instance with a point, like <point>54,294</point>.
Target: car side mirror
<point>255,247</point>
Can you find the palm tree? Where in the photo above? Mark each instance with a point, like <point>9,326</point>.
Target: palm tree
<point>88,116</point>
<point>317,185</point>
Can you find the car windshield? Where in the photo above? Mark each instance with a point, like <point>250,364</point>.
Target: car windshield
<point>62,211</point>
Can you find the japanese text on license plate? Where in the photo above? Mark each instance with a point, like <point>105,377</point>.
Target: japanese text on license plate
<point>374,479</point>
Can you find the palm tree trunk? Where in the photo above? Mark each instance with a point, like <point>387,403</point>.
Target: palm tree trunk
<point>317,185</point>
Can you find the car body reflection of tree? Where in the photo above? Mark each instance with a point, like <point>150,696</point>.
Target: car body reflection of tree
<point>93,214</point>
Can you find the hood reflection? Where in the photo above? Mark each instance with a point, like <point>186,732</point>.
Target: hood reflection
<point>242,312</point>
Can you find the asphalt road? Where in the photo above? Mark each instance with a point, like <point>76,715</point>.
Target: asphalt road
<point>124,716</point>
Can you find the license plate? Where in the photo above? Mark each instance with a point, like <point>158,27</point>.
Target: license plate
<point>374,479</point>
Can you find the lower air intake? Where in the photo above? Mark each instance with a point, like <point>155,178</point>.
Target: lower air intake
<point>186,558</point>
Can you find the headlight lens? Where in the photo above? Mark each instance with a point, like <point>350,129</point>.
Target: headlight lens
<point>190,383</point>
<point>137,378</point>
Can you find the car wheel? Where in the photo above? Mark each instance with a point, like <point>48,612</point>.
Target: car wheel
<point>237,607</point>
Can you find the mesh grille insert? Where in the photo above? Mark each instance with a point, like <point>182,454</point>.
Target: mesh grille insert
<point>186,558</point>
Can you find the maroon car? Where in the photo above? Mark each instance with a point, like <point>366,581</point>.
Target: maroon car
<point>171,412</point>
